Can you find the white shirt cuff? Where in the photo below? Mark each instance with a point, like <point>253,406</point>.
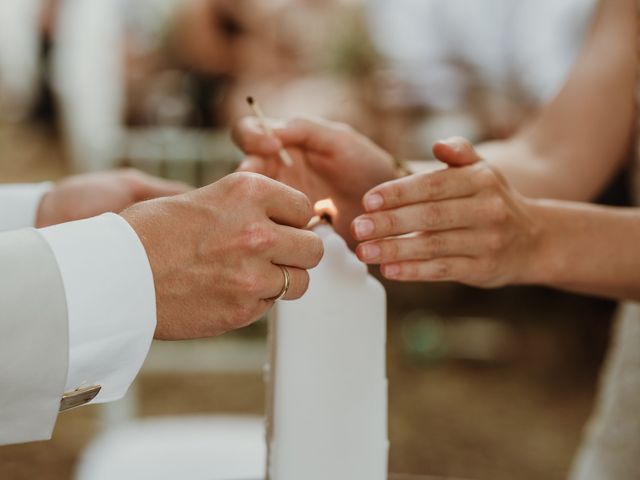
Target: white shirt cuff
<point>110,300</point>
<point>19,204</point>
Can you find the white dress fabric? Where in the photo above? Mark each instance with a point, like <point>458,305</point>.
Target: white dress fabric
<point>611,447</point>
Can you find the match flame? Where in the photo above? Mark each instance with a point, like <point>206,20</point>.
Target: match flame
<point>326,213</point>
<point>326,208</point>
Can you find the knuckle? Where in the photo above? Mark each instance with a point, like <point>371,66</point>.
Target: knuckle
<point>408,271</point>
<point>498,210</point>
<point>489,267</point>
<point>251,284</point>
<point>432,214</point>
<point>441,270</point>
<point>390,250</point>
<point>248,185</point>
<point>389,222</point>
<point>433,185</point>
<point>392,193</point>
<point>258,238</point>
<point>485,177</point>
<point>496,242</point>
<point>435,246</point>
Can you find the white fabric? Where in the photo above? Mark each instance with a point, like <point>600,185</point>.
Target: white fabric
<point>33,337</point>
<point>110,300</point>
<point>611,446</point>
<point>19,204</point>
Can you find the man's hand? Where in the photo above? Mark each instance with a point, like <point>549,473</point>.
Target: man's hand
<point>215,252</point>
<point>331,160</point>
<point>88,195</point>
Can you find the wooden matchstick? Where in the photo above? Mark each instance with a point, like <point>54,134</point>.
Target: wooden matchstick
<point>284,155</point>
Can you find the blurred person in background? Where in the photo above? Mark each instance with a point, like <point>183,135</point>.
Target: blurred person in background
<point>488,220</point>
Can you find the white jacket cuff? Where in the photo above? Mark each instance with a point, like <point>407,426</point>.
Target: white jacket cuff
<point>110,299</point>
<point>19,204</point>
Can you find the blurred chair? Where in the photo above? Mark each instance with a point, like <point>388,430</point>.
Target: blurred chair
<point>88,79</point>
<point>19,54</point>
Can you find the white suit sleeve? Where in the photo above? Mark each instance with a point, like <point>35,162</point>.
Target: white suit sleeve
<point>19,204</point>
<point>110,297</point>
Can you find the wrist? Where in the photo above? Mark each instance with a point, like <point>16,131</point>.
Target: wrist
<point>548,259</point>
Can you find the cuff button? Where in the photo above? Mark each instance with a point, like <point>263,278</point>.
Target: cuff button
<point>78,397</point>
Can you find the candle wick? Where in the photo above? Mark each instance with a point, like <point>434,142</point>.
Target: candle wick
<point>327,218</point>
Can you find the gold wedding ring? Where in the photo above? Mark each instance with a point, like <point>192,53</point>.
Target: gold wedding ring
<point>285,287</point>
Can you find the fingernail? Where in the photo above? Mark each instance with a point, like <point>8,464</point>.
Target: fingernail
<point>245,165</point>
<point>391,271</point>
<point>364,227</point>
<point>373,201</point>
<point>457,143</point>
<point>370,251</point>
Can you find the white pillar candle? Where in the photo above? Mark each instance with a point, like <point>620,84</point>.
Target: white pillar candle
<point>327,380</point>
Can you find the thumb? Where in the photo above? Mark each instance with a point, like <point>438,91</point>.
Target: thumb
<point>456,152</point>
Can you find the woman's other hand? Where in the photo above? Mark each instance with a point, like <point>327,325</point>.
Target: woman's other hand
<point>461,224</point>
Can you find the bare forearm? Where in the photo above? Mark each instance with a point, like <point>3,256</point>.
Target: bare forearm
<point>578,141</point>
<point>525,170</point>
<point>544,172</point>
<point>588,249</point>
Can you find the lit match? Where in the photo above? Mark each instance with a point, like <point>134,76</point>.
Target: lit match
<point>326,212</point>
<point>284,155</point>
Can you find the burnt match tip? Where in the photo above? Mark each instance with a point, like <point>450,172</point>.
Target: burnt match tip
<point>250,100</point>
<point>326,217</point>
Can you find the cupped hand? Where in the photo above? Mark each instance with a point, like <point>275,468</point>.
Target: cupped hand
<point>88,195</point>
<point>331,160</point>
<point>216,252</point>
<point>461,224</point>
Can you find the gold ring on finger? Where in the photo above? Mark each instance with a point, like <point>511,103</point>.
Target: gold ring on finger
<point>285,286</point>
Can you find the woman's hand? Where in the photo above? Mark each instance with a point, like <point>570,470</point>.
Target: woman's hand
<point>461,224</point>
<point>331,160</point>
